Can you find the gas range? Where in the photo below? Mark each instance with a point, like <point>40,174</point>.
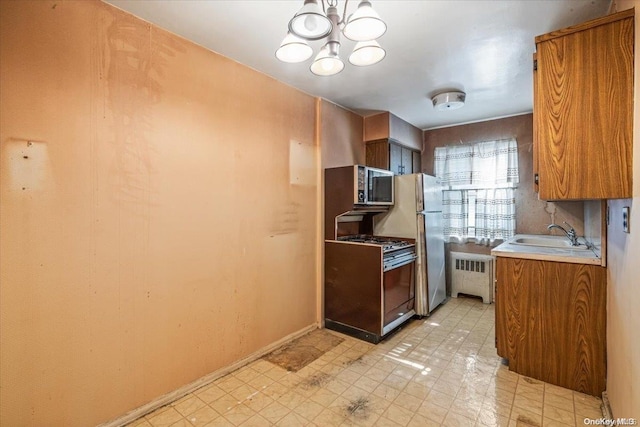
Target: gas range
<point>388,244</point>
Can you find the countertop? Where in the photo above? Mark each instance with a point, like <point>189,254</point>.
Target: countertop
<point>544,253</point>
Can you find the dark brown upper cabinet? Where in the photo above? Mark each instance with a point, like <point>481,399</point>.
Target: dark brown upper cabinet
<point>392,143</point>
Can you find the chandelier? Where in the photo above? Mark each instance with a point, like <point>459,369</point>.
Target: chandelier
<point>312,22</point>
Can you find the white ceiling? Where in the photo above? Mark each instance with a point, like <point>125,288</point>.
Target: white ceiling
<point>481,47</point>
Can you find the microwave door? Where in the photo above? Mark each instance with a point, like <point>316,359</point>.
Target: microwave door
<point>380,188</point>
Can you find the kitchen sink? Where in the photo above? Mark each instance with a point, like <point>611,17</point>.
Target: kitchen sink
<point>548,242</point>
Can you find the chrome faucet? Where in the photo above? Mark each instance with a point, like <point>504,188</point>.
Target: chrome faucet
<point>571,234</point>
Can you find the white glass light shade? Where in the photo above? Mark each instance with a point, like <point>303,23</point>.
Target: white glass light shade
<point>310,23</point>
<point>327,63</point>
<point>364,24</point>
<point>293,49</point>
<point>367,53</point>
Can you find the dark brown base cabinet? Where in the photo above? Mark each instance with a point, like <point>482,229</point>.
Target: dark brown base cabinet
<point>359,298</point>
<point>551,321</point>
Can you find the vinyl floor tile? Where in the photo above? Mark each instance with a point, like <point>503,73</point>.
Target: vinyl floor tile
<point>439,371</point>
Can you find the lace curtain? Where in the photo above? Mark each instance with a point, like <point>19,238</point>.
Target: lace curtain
<point>478,201</point>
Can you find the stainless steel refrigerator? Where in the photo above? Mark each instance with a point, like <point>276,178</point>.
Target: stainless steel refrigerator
<point>417,214</point>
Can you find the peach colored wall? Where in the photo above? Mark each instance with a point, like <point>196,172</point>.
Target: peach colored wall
<point>623,299</point>
<point>340,136</point>
<point>161,224</point>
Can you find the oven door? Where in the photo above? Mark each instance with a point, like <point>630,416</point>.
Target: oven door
<point>398,295</point>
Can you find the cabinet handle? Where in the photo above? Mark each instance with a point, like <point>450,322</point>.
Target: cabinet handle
<point>536,179</point>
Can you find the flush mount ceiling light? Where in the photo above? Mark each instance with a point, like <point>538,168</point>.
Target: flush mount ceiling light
<point>448,100</point>
<point>313,22</point>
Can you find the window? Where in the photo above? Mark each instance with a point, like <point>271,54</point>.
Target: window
<point>479,181</point>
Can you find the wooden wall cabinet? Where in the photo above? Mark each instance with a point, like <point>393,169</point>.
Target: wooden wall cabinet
<point>551,321</point>
<point>392,143</point>
<point>583,110</point>
<point>386,125</point>
<point>385,154</point>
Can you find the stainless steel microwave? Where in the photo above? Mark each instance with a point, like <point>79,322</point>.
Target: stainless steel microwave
<point>372,186</point>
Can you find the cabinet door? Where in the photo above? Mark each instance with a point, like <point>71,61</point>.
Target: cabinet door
<point>416,160</point>
<point>575,300</point>
<point>395,158</point>
<point>520,315</point>
<point>583,104</point>
<point>385,154</point>
<point>407,161</point>
<point>503,283</point>
<point>551,321</point>
<point>377,154</point>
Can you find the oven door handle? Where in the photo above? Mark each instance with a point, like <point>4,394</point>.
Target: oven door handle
<point>390,265</point>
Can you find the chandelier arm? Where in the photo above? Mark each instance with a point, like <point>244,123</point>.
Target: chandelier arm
<point>344,13</point>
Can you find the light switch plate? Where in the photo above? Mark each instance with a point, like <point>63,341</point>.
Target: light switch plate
<point>625,219</point>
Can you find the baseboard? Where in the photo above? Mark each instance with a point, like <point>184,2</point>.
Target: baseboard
<point>203,381</point>
<point>606,406</point>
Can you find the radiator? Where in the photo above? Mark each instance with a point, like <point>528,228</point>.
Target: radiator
<point>472,274</point>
